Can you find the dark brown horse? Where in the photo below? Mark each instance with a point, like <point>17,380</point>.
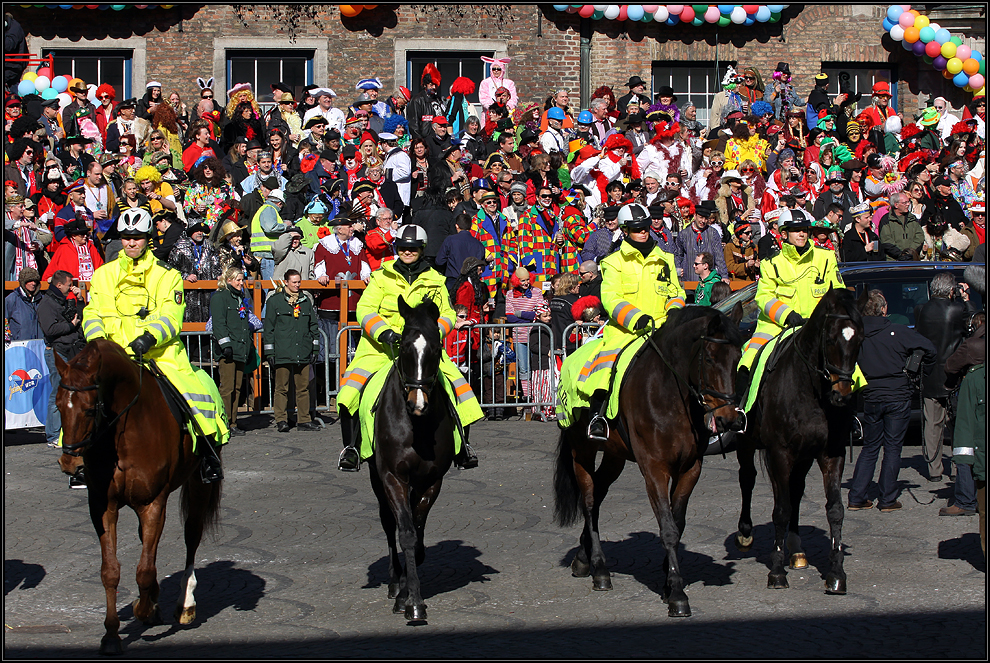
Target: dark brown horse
<point>135,454</point>
<point>674,397</point>
<point>803,415</point>
<point>414,448</point>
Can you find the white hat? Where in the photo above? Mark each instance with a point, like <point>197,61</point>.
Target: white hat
<point>240,87</point>
<point>387,136</point>
<point>276,194</point>
<point>978,205</point>
<point>731,175</point>
<point>322,90</point>
<point>152,84</point>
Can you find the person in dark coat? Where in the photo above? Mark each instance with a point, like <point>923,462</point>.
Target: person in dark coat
<point>21,306</point>
<point>232,333</point>
<point>456,248</point>
<point>426,104</point>
<point>60,319</point>
<point>861,244</point>
<point>942,320</point>
<point>290,343</point>
<point>436,218</point>
<point>887,397</point>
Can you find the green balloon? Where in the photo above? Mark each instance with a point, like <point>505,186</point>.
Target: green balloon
<point>956,40</point>
<point>775,18</point>
<point>647,18</point>
<point>697,21</point>
<point>724,21</point>
<point>927,59</point>
<point>983,67</point>
<point>598,15</point>
<point>699,10</point>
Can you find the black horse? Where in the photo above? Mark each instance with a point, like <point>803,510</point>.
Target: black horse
<point>414,448</point>
<point>672,400</point>
<point>803,414</point>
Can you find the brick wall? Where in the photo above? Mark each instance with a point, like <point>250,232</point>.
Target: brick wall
<point>365,45</point>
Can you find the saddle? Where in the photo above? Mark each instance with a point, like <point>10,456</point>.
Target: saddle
<point>766,361</point>
<point>176,403</point>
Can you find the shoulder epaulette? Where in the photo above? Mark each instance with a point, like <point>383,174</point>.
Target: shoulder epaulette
<point>162,263</point>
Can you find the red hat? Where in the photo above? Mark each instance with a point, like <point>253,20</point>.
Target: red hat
<point>367,135</point>
<point>963,127</point>
<point>462,85</point>
<point>616,141</point>
<point>881,88</point>
<point>586,302</point>
<point>439,119</point>
<point>431,71</point>
<point>585,153</point>
<point>684,202</point>
<point>405,92</point>
<point>106,88</point>
<point>664,129</point>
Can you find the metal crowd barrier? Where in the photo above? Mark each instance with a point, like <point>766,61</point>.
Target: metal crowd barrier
<point>586,329</point>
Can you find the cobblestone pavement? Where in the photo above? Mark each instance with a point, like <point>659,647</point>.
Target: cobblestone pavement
<point>299,568</point>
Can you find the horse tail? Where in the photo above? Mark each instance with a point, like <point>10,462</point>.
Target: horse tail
<point>208,509</point>
<point>567,493</point>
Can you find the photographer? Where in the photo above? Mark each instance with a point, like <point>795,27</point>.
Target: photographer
<point>942,320</point>
<point>59,318</point>
<point>886,360</point>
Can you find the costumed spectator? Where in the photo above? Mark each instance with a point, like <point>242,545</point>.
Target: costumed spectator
<point>735,202</point>
<point>380,241</point>
<point>80,102</point>
<point>168,229</point>
<point>160,194</point>
<point>265,170</point>
<point>426,105</point>
<point>560,98</point>
<point>21,170</point>
<point>24,240</point>
<point>538,235</point>
<point>725,101</point>
<point>942,320</point>
<point>205,199</point>
<point>880,108</point>
<point>745,145</point>
<point>860,243</point>
<point>780,92</point>
<point>662,226</point>
<point>701,236</point>
<point>605,239</point>
<point>228,250</point>
<point>665,154</point>
<point>187,257</point>
<point>741,258</point>
<point>542,363</point>
<point>324,108</point>
<point>566,293</point>
<point>942,242</point>
<point>398,168</point>
<point>521,302</point>
<point>498,78</point>
<point>456,249</point>
<point>901,236</point>
<point>290,343</point>
<point>751,90</point>
<point>637,94</point>
<point>76,253</point>
<point>21,306</point>
<point>99,197</point>
<point>104,114</point>
<point>887,401</point>
<point>229,310</point>
<point>60,318</point>
<point>246,121</point>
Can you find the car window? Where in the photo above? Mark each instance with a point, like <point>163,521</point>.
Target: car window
<point>903,295</point>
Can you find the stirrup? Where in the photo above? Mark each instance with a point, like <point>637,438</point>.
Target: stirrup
<point>349,460</point>
<point>467,459</point>
<point>210,470</point>
<point>856,434</point>
<point>598,424</point>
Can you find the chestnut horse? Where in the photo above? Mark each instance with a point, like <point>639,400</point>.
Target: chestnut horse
<point>135,454</point>
<point>673,398</point>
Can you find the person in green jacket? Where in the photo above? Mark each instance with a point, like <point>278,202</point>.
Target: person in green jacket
<point>232,332</point>
<point>290,341</point>
<point>706,278</point>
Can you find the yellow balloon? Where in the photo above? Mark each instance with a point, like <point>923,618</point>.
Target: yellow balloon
<point>921,22</point>
<point>953,66</point>
<point>29,76</point>
<point>948,50</point>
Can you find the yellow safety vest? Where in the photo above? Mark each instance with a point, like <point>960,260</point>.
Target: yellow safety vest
<point>261,242</point>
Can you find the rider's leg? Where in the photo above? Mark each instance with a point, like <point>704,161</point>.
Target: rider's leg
<point>350,431</point>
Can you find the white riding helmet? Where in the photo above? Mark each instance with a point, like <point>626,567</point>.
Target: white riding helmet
<point>794,219</point>
<point>634,217</point>
<point>410,236</point>
<point>134,222</point>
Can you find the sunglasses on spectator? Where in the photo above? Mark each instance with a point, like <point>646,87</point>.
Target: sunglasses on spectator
<point>698,264</point>
<point>746,232</point>
<point>747,170</point>
<point>488,202</point>
<point>542,197</point>
<point>462,317</point>
<point>749,78</point>
<point>717,163</point>
<point>496,68</point>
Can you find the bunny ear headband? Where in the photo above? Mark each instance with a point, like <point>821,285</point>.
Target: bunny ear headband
<point>205,85</point>
<point>496,60</point>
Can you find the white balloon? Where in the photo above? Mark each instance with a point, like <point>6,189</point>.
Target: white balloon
<point>896,32</point>
<point>64,100</point>
<point>935,26</point>
<point>738,15</point>
<point>600,8</point>
<point>612,12</point>
<point>661,14</point>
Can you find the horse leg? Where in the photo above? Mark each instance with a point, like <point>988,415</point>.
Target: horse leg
<point>420,511</point>
<point>584,464</point>
<point>831,466</point>
<point>606,474</point>
<point>747,481</point>
<point>399,497</point>
<point>798,559</point>
<point>103,513</point>
<point>658,488</point>
<point>780,468</point>
<point>152,522</point>
<point>680,492</point>
<point>196,496</point>
<point>388,524</point>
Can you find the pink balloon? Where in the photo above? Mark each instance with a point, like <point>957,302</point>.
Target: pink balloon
<point>586,11</point>
<point>675,10</point>
<point>962,52</point>
<point>712,15</point>
<point>906,8</point>
<point>45,71</point>
<point>976,81</point>
<point>906,20</point>
<point>651,9</point>
<point>687,14</point>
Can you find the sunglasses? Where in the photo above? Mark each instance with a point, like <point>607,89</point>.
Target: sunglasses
<point>749,78</point>
<point>546,197</point>
<point>747,170</point>
<point>462,317</point>
<point>718,163</point>
<point>746,232</point>
<point>496,68</point>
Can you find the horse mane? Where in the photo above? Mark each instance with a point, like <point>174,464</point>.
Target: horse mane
<point>682,316</point>
<point>423,316</point>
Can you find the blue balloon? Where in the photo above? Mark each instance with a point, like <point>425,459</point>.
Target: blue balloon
<point>561,8</point>
<point>59,84</point>
<point>25,88</point>
<point>887,24</point>
<point>906,46</point>
<point>894,13</point>
<point>635,12</point>
<point>49,93</point>
<point>726,9</point>
<point>943,35</point>
<point>763,14</point>
<point>673,20</point>
<point>976,55</point>
<point>961,79</point>
<point>749,20</point>
<point>775,9</point>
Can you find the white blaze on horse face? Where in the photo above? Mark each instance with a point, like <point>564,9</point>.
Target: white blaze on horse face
<point>848,333</point>
<point>420,346</point>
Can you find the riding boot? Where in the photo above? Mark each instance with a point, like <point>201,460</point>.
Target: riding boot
<point>467,459</point>
<point>210,469</point>
<point>598,426</point>
<point>78,480</point>
<point>743,379</point>
<point>350,431</point>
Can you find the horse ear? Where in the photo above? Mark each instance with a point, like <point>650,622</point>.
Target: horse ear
<point>864,298</point>
<point>736,315</point>
<point>60,365</point>
<point>404,309</point>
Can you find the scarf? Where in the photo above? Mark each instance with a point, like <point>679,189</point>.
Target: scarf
<point>411,271</point>
<point>642,247</point>
<point>85,262</point>
<point>23,258</point>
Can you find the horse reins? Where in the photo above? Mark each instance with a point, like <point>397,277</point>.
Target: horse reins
<point>829,369</point>
<point>100,409</point>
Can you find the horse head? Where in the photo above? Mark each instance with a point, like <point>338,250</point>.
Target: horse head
<point>419,353</point>
<point>79,399</point>
<point>839,318</point>
<point>716,372</point>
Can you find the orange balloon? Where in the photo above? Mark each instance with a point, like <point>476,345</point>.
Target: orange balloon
<point>914,12</point>
<point>971,66</point>
<point>947,74</point>
<point>348,10</point>
<point>370,7</point>
<point>912,34</point>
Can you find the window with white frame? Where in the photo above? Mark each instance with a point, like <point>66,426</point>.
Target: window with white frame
<point>862,77</point>
<point>451,64</point>
<point>263,67</point>
<point>96,66</point>
<point>697,82</point>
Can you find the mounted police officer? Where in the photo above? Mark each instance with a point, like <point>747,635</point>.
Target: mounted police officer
<point>411,277</point>
<point>138,302</point>
<point>639,288</point>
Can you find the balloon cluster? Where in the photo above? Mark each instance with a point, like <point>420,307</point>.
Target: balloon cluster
<point>673,14</point>
<point>964,66</point>
<point>116,8</point>
<point>353,10</point>
<point>47,86</point>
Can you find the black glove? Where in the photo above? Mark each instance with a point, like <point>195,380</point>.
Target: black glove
<point>312,357</point>
<point>142,344</point>
<point>906,256</point>
<point>389,337</point>
<point>228,353</point>
<point>270,360</point>
<point>794,320</point>
<point>643,322</point>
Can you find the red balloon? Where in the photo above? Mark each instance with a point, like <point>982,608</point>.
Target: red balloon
<point>933,49</point>
<point>751,9</point>
<point>623,12</point>
<point>586,11</point>
<point>687,14</point>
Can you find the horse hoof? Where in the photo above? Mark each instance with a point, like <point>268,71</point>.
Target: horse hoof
<point>799,561</point>
<point>185,616</point>
<point>678,608</point>
<point>602,584</point>
<point>393,590</point>
<point>777,581</point>
<point>399,607</point>
<point>835,586</point>
<point>110,645</point>
<point>743,543</point>
<point>416,613</point>
<point>580,569</point>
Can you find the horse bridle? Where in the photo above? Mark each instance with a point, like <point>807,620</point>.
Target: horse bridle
<point>829,371</point>
<point>70,449</point>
